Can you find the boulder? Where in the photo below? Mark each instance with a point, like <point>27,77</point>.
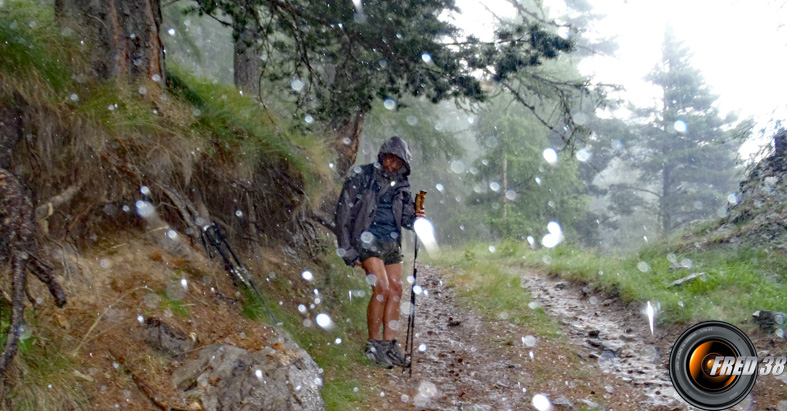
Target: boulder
<point>279,376</point>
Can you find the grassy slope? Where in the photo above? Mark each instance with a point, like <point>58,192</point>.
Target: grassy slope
<point>45,66</point>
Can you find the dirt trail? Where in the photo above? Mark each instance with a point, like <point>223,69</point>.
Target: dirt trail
<point>608,359</point>
<point>472,363</point>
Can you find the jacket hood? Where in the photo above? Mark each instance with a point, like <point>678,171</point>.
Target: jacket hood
<point>399,148</point>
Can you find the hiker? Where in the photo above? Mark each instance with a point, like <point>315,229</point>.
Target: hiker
<point>374,205</point>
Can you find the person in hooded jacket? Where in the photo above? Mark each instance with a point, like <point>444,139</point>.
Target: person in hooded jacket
<point>374,205</point>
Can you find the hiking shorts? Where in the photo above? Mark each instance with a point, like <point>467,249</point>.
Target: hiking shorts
<point>388,251</point>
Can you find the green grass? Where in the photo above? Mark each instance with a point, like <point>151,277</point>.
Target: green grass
<point>485,285</point>
<point>340,361</point>
<point>46,380</point>
<point>31,45</point>
<point>221,112</point>
<point>738,281</point>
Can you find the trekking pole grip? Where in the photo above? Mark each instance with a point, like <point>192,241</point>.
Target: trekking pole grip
<point>419,201</point>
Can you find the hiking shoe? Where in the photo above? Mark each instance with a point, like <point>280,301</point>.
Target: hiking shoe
<point>395,355</point>
<point>376,353</point>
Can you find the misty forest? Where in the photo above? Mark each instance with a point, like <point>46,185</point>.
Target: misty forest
<point>181,183</point>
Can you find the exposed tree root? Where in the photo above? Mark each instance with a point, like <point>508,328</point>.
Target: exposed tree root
<point>17,245</point>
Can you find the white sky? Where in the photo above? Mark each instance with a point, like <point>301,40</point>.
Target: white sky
<point>739,46</point>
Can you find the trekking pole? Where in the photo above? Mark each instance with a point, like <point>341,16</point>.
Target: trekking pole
<point>239,273</point>
<point>409,340</point>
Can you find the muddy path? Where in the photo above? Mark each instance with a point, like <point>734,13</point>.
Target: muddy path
<point>473,363</point>
<point>607,358</point>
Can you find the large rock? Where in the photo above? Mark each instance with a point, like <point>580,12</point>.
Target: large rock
<point>281,376</point>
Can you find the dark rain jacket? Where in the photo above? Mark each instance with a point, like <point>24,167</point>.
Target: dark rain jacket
<point>358,200</point>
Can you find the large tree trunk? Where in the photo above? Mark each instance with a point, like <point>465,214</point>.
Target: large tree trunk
<point>247,62</point>
<point>123,33</point>
<point>346,141</point>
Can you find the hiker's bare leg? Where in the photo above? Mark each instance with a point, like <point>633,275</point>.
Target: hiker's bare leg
<point>374,312</point>
<point>392,303</point>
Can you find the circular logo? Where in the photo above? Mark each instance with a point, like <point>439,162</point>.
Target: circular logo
<point>711,365</point>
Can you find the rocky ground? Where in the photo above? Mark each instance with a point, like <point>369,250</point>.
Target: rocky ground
<point>606,359</point>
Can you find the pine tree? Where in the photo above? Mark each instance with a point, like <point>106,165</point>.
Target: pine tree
<point>683,152</point>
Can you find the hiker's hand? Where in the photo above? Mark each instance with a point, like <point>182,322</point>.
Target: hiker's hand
<point>357,263</point>
<point>420,213</point>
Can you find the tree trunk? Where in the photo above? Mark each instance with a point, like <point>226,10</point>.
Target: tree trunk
<point>346,142</point>
<point>124,35</point>
<point>505,186</point>
<point>666,217</point>
<point>247,63</point>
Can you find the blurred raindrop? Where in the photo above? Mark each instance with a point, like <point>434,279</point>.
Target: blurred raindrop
<point>324,321</point>
<point>145,209</point>
<point>583,155</point>
<point>608,361</point>
<point>529,341</point>
<point>643,266</point>
<point>541,402</point>
<point>297,84</point>
<point>550,155</point>
<point>427,58</point>
<point>494,186</point>
<point>171,31</point>
<point>457,166</point>
<point>492,249</point>
<point>389,103</point>
<point>25,332</point>
<point>732,199</point>
<point>175,291</point>
<point>681,126</point>
<point>412,120</point>
<point>151,300</point>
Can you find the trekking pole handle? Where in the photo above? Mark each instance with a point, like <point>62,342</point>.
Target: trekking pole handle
<point>419,201</point>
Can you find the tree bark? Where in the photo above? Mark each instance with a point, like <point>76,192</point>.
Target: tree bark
<point>247,63</point>
<point>125,35</point>
<point>346,142</point>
